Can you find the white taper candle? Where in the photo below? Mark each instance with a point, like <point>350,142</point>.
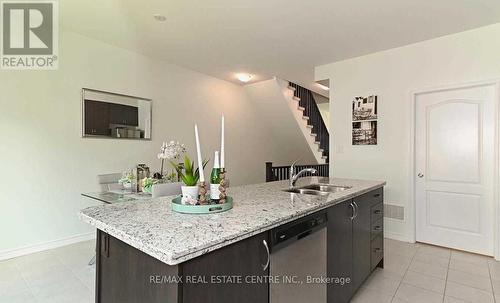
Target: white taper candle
<point>198,151</point>
<point>222,164</point>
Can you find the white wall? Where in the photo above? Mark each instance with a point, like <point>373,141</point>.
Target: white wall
<point>324,109</point>
<point>393,74</point>
<point>46,164</point>
<point>269,99</point>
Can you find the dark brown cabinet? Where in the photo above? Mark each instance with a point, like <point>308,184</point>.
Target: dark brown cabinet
<point>99,115</point>
<point>361,235</point>
<point>355,243</point>
<point>123,114</point>
<point>125,274</point>
<point>96,118</point>
<point>354,250</point>
<point>244,259</point>
<point>339,250</point>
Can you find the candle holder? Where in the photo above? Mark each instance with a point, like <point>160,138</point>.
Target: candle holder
<point>222,186</point>
<point>203,193</point>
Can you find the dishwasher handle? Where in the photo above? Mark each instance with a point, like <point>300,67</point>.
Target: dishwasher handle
<point>266,266</point>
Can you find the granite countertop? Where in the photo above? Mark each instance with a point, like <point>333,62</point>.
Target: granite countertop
<point>152,227</point>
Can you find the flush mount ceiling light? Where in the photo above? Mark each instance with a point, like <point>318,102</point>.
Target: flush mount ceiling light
<point>243,77</point>
<point>159,17</point>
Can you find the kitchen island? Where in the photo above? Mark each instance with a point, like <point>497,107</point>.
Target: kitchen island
<point>142,246</point>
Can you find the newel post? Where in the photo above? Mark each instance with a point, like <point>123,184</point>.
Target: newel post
<point>269,172</point>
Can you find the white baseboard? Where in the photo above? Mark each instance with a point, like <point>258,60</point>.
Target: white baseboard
<point>397,236</point>
<point>29,249</point>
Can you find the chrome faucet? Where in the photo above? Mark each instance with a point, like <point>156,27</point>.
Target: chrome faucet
<point>294,177</point>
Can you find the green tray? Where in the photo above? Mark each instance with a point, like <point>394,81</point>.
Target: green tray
<point>201,209</point>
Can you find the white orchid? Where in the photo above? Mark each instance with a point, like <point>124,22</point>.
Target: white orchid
<point>170,151</point>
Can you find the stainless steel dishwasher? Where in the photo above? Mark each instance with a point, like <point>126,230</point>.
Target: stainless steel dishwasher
<point>298,251</point>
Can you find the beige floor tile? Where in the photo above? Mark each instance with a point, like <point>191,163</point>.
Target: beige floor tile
<point>23,297</point>
<point>496,286</point>
<point>396,270</point>
<point>494,267</point>
<point>471,268</point>
<point>388,274</point>
<point>437,251</point>
<point>401,248</point>
<point>470,257</point>
<point>417,295</point>
<point>467,293</point>
<point>378,282</point>
<point>365,295</point>
<point>395,259</point>
<point>424,281</point>
<point>431,259</point>
<point>12,286</point>
<point>86,275</point>
<point>77,294</point>
<point>453,300</point>
<point>428,269</point>
<point>464,278</point>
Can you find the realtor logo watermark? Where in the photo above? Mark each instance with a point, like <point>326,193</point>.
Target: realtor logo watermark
<point>30,33</point>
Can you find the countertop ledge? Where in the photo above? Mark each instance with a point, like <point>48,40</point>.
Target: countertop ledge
<point>153,228</point>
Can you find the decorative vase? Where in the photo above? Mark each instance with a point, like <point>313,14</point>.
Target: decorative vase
<point>190,191</point>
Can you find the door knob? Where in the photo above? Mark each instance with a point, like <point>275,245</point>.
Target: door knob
<point>420,175</point>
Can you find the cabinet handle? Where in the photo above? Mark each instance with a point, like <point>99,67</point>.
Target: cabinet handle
<point>356,209</point>
<point>353,211</point>
<point>377,212</point>
<point>376,195</point>
<point>377,228</point>
<point>265,266</point>
<point>377,249</point>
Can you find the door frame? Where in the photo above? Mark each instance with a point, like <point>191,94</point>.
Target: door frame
<point>496,182</point>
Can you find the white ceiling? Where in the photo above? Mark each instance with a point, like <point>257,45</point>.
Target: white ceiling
<point>283,38</point>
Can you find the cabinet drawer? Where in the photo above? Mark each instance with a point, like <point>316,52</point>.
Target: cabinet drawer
<point>371,198</point>
<point>377,251</point>
<point>377,228</point>
<point>377,212</point>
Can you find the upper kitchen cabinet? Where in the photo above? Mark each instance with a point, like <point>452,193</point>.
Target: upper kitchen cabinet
<point>96,118</point>
<point>123,114</point>
<point>113,115</point>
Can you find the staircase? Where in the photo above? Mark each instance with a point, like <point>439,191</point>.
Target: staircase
<point>311,114</point>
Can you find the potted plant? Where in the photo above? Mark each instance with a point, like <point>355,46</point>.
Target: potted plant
<point>189,176</point>
<point>148,184</point>
<point>127,179</point>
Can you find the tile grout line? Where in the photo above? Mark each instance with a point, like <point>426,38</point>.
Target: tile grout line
<point>73,272</point>
<point>491,283</point>
<point>21,273</point>
<point>404,275</point>
<point>446,278</point>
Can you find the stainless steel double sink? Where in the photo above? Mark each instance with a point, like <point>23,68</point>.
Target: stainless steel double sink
<point>319,189</point>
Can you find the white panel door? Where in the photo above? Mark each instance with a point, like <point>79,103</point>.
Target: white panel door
<point>454,148</point>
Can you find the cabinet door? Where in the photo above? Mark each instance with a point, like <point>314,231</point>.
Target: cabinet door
<point>124,114</point>
<point>126,275</point>
<point>132,116</point>
<point>361,232</point>
<point>243,259</point>
<point>339,246</point>
<point>117,114</point>
<point>96,118</point>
